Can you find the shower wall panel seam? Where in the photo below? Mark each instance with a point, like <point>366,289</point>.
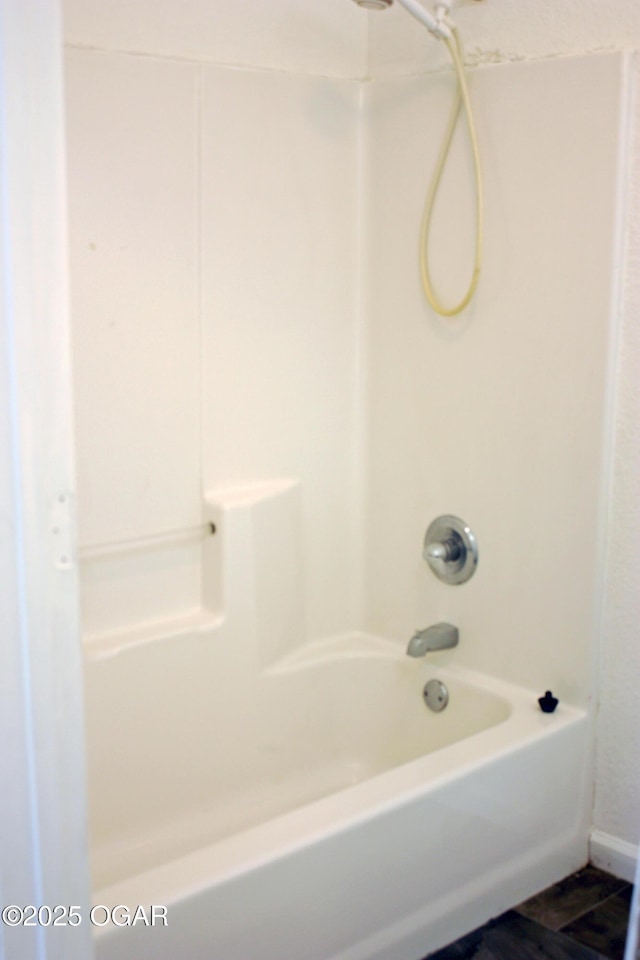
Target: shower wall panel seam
<point>223,64</point>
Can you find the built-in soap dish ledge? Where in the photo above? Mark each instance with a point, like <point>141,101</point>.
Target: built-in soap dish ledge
<point>100,646</point>
<point>168,585</point>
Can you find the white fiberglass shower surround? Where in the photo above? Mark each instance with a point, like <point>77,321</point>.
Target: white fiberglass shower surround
<point>269,416</point>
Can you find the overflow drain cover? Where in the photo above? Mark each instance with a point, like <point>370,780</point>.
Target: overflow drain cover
<point>436,695</point>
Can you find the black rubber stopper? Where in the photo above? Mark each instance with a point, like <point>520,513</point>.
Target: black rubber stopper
<point>548,703</point>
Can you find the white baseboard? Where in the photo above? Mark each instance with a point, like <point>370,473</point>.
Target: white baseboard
<point>613,855</point>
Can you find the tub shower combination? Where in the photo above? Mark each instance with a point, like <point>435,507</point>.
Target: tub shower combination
<point>355,797</point>
<point>313,805</point>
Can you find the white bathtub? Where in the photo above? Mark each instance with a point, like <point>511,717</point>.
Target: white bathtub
<point>325,813</point>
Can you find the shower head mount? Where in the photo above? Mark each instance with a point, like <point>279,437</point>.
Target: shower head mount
<point>437,23</point>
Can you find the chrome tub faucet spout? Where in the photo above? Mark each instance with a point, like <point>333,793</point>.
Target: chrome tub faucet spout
<point>440,636</point>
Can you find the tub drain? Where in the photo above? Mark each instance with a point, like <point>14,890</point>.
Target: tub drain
<point>436,695</point>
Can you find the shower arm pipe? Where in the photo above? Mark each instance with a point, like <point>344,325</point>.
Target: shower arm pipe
<point>438,25</point>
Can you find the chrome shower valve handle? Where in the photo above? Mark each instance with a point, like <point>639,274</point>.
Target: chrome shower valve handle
<point>450,549</point>
<point>446,550</point>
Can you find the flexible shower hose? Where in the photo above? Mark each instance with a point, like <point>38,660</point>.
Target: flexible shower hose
<point>462,97</point>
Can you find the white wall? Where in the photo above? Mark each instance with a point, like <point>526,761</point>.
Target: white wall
<point>495,32</point>
<point>301,36</point>
<point>132,130</point>
<point>279,281</point>
<point>498,416</point>
<point>214,226</point>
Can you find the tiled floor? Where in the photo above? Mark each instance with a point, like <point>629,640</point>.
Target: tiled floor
<point>584,917</point>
